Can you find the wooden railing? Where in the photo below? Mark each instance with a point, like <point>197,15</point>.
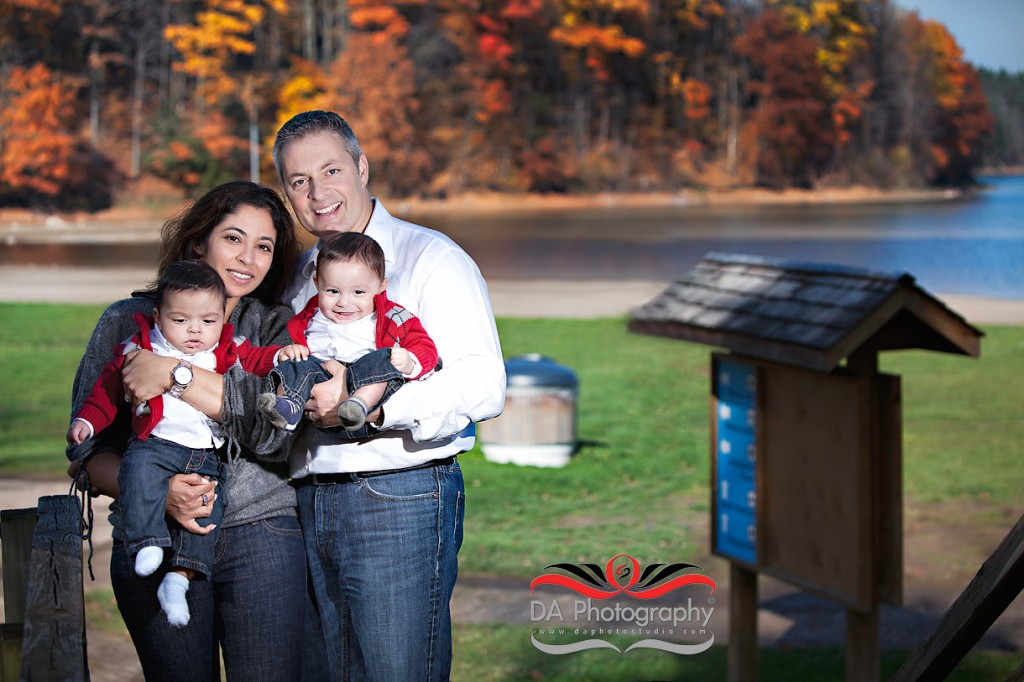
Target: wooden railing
<point>994,587</point>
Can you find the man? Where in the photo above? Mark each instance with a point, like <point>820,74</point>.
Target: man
<point>382,518</point>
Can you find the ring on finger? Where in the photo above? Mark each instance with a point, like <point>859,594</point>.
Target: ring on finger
<point>206,499</point>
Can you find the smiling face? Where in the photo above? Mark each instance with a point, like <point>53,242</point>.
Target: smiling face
<point>191,321</point>
<point>325,185</point>
<point>241,249</point>
<point>347,289</point>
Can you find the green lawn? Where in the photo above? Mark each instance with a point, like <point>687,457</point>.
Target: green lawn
<point>642,469</point>
<point>643,462</point>
<point>40,346</point>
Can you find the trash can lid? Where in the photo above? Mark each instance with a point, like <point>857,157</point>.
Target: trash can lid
<point>534,369</point>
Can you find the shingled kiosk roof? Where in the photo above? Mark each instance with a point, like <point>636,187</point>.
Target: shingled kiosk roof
<point>810,315</point>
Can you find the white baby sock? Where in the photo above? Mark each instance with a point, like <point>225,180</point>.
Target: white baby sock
<point>148,560</point>
<point>171,594</point>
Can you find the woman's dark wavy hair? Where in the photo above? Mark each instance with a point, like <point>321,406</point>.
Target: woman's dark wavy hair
<point>192,227</point>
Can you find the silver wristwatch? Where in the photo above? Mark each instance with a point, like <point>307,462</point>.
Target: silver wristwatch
<point>181,378</point>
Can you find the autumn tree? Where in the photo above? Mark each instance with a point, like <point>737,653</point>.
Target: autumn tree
<point>373,84</point>
<point>945,118</point>
<point>679,30</point>
<point>43,161</point>
<point>599,55</point>
<point>792,118</point>
<point>482,100</point>
<point>962,119</point>
<point>219,50</point>
<point>842,31</point>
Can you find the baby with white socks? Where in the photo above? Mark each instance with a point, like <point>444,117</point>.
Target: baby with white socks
<point>171,436</point>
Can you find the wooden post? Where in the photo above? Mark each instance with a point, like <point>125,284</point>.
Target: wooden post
<point>742,624</point>
<point>54,646</point>
<point>863,657</point>
<point>16,528</point>
<point>863,653</point>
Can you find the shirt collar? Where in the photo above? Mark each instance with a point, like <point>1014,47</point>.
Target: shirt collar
<point>379,229</point>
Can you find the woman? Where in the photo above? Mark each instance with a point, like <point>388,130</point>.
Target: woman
<point>253,607</point>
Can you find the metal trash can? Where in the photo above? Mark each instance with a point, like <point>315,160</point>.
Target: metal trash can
<point>538,426</point>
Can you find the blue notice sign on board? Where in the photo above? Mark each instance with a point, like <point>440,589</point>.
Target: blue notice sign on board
<point>735,453</point>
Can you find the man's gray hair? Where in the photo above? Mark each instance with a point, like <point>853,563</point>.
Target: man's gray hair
<point>310,123</point>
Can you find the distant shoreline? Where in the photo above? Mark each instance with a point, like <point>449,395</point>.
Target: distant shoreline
<point>495,202</point>
<point>165,207</point>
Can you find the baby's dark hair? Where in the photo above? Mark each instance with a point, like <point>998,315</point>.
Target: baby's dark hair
<point>189,275</point>
<point>352,246</point>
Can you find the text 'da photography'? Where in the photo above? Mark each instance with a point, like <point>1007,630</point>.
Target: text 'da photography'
<point>622,606</point>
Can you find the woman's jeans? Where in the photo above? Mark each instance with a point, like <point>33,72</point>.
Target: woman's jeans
<point>142,479</point>
<point>382,554</point>
<point>297,378</point>
<point>254,607</point>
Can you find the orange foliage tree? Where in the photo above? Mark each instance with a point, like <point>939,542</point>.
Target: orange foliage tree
<point>373,83</point>
<point>37,144</point>
<point>959,120</point>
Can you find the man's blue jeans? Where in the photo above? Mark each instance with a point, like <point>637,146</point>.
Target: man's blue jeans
<point>296,379</point>
<point>254,607</point>
<point>146,466</point>
<point>382,553</point>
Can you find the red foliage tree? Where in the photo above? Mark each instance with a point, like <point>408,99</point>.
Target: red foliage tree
<point>793,119</point>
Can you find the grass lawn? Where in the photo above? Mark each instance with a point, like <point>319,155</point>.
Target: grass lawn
<point>40,346</point>
<point>641,471</point>
<point>643,462</point>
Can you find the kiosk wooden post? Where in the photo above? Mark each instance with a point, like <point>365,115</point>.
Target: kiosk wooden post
<point>742,624</point>
<point>805,432</point>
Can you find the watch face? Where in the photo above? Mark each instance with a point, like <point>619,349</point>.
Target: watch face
<point>182,375</point>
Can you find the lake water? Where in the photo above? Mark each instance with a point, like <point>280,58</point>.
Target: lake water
<point>972,246</point>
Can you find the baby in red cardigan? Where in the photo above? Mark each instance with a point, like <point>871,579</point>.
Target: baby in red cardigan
<point>171,436</point>
<point>351,319</point>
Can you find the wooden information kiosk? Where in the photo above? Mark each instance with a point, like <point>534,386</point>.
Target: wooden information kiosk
<point>806,454</point>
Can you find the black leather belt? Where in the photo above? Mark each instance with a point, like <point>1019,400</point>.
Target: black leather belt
<point>349,477</point>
